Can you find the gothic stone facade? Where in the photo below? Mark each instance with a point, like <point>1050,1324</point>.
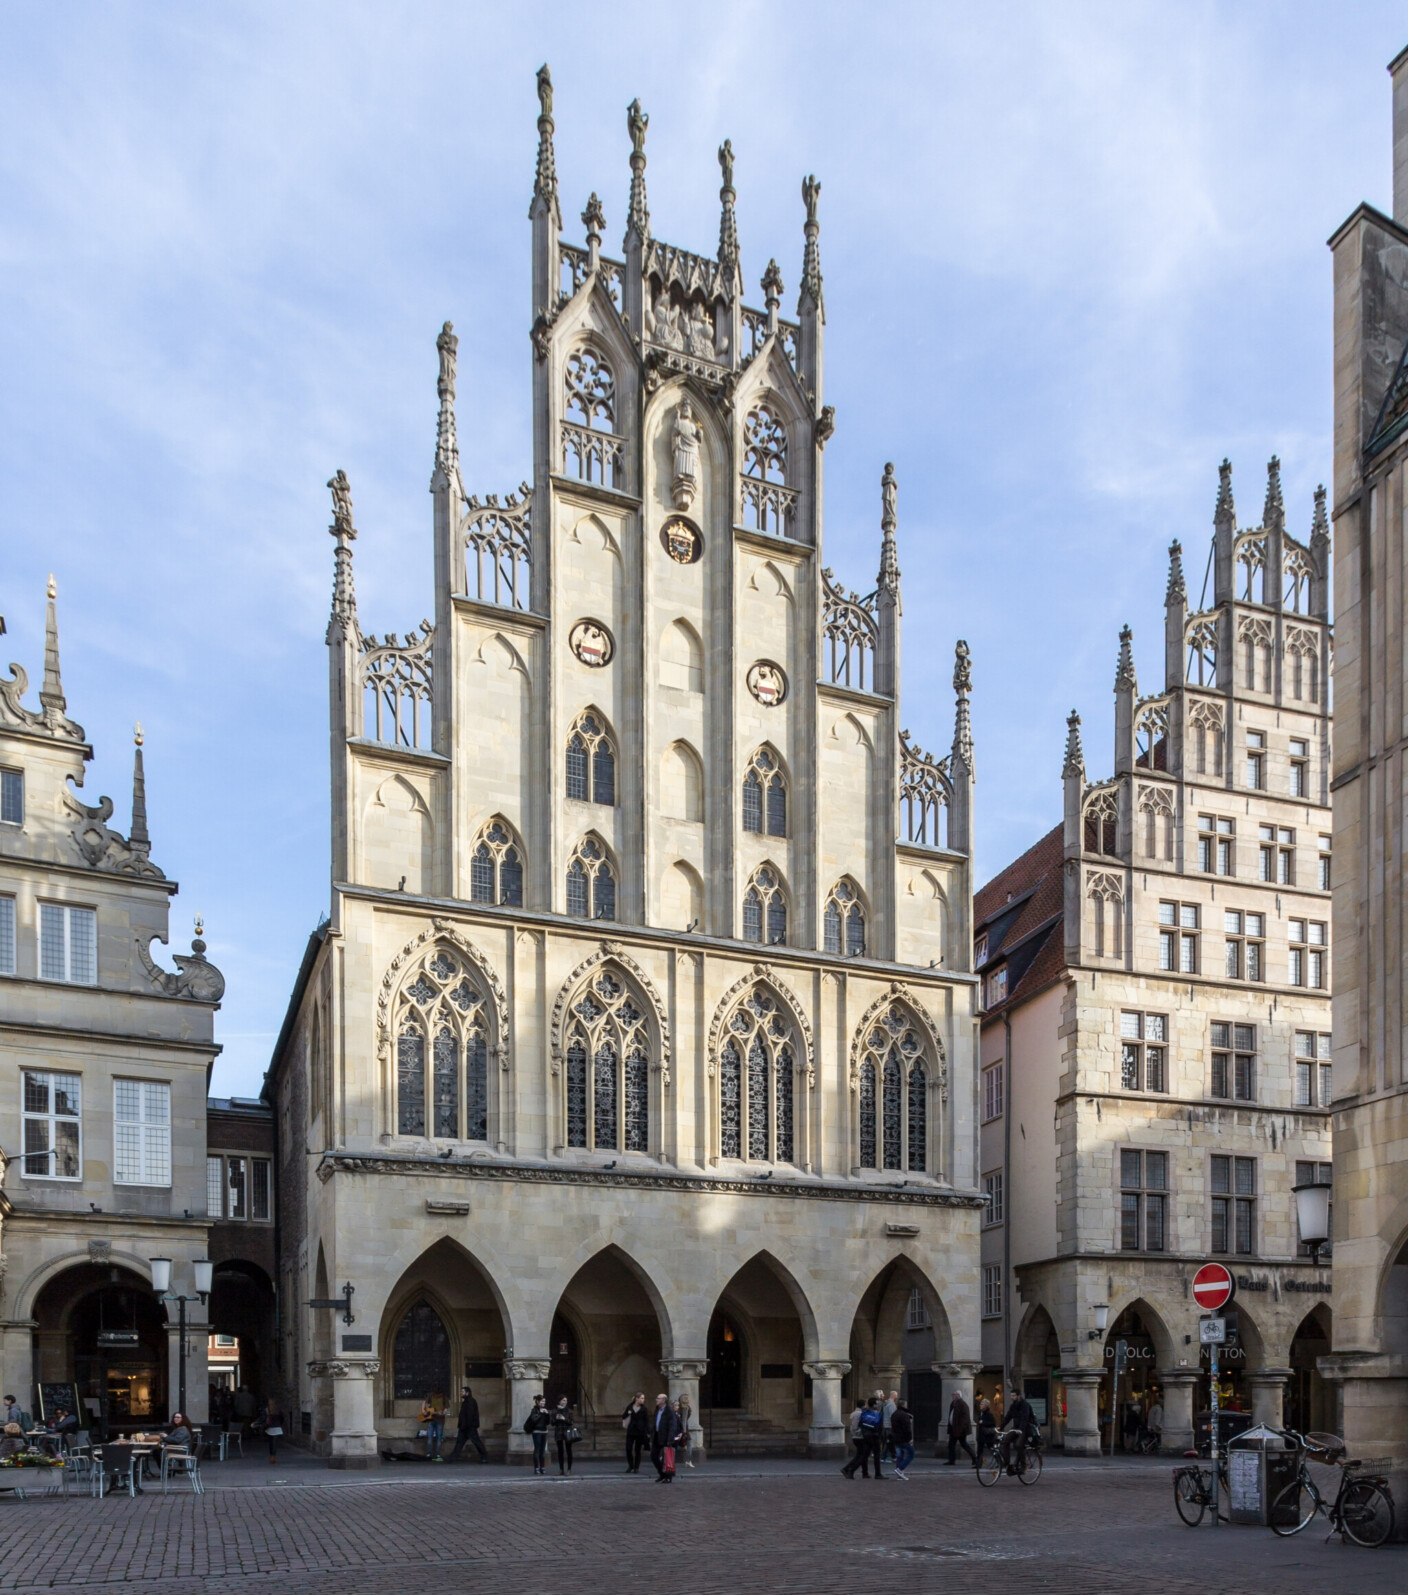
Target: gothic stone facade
<point>637,1048</point>
<point>1158,1011</point>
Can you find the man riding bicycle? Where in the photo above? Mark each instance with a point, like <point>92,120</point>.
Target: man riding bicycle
<point>1018,1424</point>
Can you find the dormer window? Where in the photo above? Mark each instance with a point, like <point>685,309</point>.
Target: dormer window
<point>995,988</point>
<point>980,951</point>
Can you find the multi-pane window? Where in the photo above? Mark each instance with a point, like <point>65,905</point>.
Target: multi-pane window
<point>1278,855</point>
<point>843,923</point>
<point>757,1074</point>
<point>1324,863</point>
<point>1217,845</point>
<point>765,908</point>
<point>893,1072</point>
<point>141,1132</point>
<point>238,1187</point>
<point>11,797</point>
<point>68,944</point>
<point>1178,938</point>
<point>994,1092</point>
<point>1234,1061</point>
<point>1300,768</point>
<point>591,761</point>
<point>591,882</point>
<point>995,988</point>
<point>917,1313</point>
<point>980,951</point>
<point>765,795</point>
<point>1246,944</point>
<point>1143,1201</point>
<point>7,935</point>
<point>214,1186</point>
<point>1256,761</point>
<point>993,1206</point>
<point>608,1068</point>
<point>1233,1204</point>
<point>1308,1173</point>
<point>496,867</point>
<point>52,1128</point>
<point>1306,959</point>
<point>992,1290</point>
<point>1314,1083</point>
<point>1144,1052</point>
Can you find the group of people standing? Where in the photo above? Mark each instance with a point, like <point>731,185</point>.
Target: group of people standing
<point>880,1426</point>
<point>665,1429</point>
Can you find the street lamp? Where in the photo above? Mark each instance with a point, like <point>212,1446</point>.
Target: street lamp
<point>1313,1213</point>
<point>161,1284</point>
<point>1102,1321</point>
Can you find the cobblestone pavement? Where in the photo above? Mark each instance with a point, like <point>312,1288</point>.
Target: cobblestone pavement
<point>1102,1528</point>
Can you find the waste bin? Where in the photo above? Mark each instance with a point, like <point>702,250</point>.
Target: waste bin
<point>1261,1462</point>
<point>1229,1426</point>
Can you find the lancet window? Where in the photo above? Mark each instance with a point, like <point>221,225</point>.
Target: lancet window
<point>1296,570</point>
<point>894,1094</point>
<point>1102,824</point>
<point>608,1054</point>
<point>396,688</point>
<point>1107,916</point>
<point>1206,737</point>
<point>1255,638</point>
<point>1251,562</point>
<point>1151,738</point>
<point>843,923</point>
<point>767,500</point>
<point>765,908</point>
<point>496,867</point>
<point>757,1080</point>
<point>591,882</point>
<point>591,760</point>
<point>850,633</point>
<point>1303,657</point>
<point>1156,811</point>
<point>498,548</point>
<point>765,795</point>
<point>924,793</point>
<point>442,1052</point>
<point>1202,654</point>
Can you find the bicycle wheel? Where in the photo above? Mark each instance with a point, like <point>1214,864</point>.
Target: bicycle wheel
<point>1189,1495</point>
<point>989,1467</point>
<point>1366,1513</point>
<point>1031,1468</point>
<point>1294,1508</point>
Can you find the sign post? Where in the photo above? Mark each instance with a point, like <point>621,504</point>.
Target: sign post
<point>1213,1288</point>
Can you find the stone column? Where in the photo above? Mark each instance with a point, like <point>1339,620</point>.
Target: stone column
<point>957,1380</point>
<point>827,1436</point>
<point>684,1376</point>
<point>1268,1394</point>
<point>353,1441</point>
<point>1082,1410</point>
<point>527,1376</point>
<point>1179,1387</point>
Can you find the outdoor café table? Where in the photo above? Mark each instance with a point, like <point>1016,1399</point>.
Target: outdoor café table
<point>43,1440</point>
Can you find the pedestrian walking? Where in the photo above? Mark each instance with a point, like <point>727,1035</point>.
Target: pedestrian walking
<point>662,1430</point>
<point>887,1414</point>
<point>860,1452</point>
<point>671,1452</point>
<point>635,1420</point>
<point>987,1429</point>
<point>902,1429</point>
<point>432,1425</point>
<point>686,1409</point>
<point>467,1427</point>
<point>565,1433</point>
<point>273,1427</point>
<point>1154,1422</point>
<point>1133,1419</point>
<point>536,1425</point>
<point>872,1432</point>
<point>960,1426</point>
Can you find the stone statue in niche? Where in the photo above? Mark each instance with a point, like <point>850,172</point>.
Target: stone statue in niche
<point>686,447</point>
<point>666,317</point>
<point>698,332</point>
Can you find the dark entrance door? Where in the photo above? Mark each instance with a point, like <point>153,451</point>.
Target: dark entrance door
<point>722,1385</point>
<point>564,1376</point>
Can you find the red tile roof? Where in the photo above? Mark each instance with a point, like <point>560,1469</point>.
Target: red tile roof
<point>1021,909</point>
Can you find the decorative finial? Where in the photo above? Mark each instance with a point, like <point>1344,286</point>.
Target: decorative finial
<point>1075,754</point>
<point>728,222</point>
<point>1320,525</point>
<point>638,220</point>
<point>545,177</point>
<point>51,696</point>
<point>200,924</point>
<point>198,943</point>
<point>140,838</point>
<point>447,447</point>
<point>138,735</point>
<point>963,721</point>
<point>811,254</point>
<point>772,289</point>
<point>889,579</point>
<point>344,597</point>
<point>1177,592</point>
<point>593,219</point>
<point>1226,511</point>
<point>1273,512</point>
<point>52,589</point>
<point>1124,671</point>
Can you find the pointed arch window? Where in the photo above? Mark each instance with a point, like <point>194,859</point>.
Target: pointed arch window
<point>1102,825</point>
<point>591,760</point>
<point>767,502</point>
<point>589,397</point>
<point>442,1052</point>
<point>608,1056</point>
<point>496,867</point>
<point>591,882</point>
<point>765,795</point>
<point>757,1077</point>
<point>894,1076</point>
<point>843,923</point>
<point>765,908</point>
<point>420,1355</point>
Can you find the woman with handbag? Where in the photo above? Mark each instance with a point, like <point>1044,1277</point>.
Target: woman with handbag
<point>672,1430</point>
<point>635,1420</point>
<point>566,1433</point>
<point>535,1426</point>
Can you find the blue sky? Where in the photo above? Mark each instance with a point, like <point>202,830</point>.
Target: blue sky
<point>1073,255</point>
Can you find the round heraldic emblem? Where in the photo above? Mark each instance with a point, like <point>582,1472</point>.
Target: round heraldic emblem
<point>767,683</point>
<point>682,541</point>
<point>592,643</point>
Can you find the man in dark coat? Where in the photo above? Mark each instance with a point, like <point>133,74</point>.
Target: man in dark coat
<point>1017,1430</point>
<point>664,1429</point>
<point>960,1426</point>
<point>468,1428</point>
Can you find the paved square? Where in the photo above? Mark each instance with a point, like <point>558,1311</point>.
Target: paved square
<point>1102,1528</point>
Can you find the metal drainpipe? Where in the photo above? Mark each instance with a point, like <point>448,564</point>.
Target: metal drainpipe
<point>1006,1206</point>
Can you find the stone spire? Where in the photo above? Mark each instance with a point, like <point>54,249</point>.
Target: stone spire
<point>1273,513</point>
<point>638,219</point>
<point>140,840</point>
<point>889,578</point>
<point>447,447</point>
<point>593,219</point>
<point>1124,670</point>
<point>771,285</point>
<point>344,596</point>
<point>1177,591</point>
<point>51,696</point>
<point>963,720</point>
<point>545,177</point>
<point>811,254</point>
<point>728,222</point>
<point>1075,754</point>
<point>1226,510</point>
<point>1319,525</point>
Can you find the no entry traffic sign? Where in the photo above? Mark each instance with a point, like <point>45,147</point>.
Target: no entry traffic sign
<point>1213,1287</point>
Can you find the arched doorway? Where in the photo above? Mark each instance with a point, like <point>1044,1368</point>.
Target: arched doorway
<point>99,1327</point>
<point>756,1396</point>
<point>1038,1361</point>
<point>565,1376</point>
<point>899,1331</point>
<point>722,1384</point>
<point>1308,1400</point>
<point>242,1308</point>
<point>1125,1396</point>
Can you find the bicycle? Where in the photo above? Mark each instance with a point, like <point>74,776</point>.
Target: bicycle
<point>1362,1509</point>
<point>1192,1492</point>
<point>995,1459</point>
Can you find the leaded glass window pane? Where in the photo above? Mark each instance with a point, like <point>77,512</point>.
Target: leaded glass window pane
<point>605,892</point>
<point>481,875</point>
<point>604,1097</point>
<point>730,1091</point>
<point>918,1119</point>
<point>421,1355</point>
<point>894,1123</point>
<point>410,1083</point>
<point>758,1102</point>
<point>784,1105</point>
<point>637,1100</point>
<point>752,915</point>
<point>511,879</point>
<point>577,769</point>
<point>577,889</point>
<point>867,1116</point>
<point>603,774</point>
<point>831,928</point>
<point>752,802</point>
<point>855,932</point>
<point>777,919</point>
<point>576,1094</point>
<point>476,1092</point>
<point>447,1082</point>
<point>777,807</point>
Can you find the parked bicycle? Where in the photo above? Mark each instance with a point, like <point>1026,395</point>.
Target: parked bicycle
<point>1192,1492</point>
<point>1002,1454</point>
<point>1362,1509</point>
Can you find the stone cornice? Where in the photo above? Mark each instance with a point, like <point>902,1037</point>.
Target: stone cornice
<point>333,1163</point>
<point>118,1040</point>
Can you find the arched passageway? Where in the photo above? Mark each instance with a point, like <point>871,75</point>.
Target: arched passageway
<point>1309,1400</point>
<point>1037,1365</point>
<point>755,1397</point>
<point>242,1307</point>
<point>1126,1396</point>
<point>899,1332</point>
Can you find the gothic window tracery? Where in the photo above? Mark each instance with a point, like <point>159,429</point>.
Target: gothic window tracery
<point>591,882</point>
<point>765,795</point>
<point>765,908</point>
<point>924,793</point>
<point>843,923</point>
<point>1297,570</point>
<point>1202,654</point>
<point>496,867</point>
<point>499,537</point>
<point>1206,724</point>
<point>591,760</point>
<point>1151,738</point>
<point>608,1053</point>
<point>1106,896</point>
<point>1304,656</point>
<point>1156,807</point>
<point>767,500</point>
<point>442,1025</point>
<point>851,635</point>
<point>1251,562</point>
<point>396,688</point>
<point>757,1072</point>
<point>1255,637</point>
<point>591,451</point>
<point>1102,824</point>
<point>894,1078</point>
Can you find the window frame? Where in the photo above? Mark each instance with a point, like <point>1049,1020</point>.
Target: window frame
<point>1245,958</point>
<point>1180,952</point>
<point>12,796</point>
<point>1148,1198</point>
<point>9,934</point>
<point>67,911</point>
<point>1138,1046</point>
<point>142,1124</point>
<point>52,1119</point>
<point>250,1160</point>
<point>1231,1206</point>
<point>994,1199</point>
<point>992,1290</point>
<point>1314,1070</point>
<point>994,1091</point>
<point>1256,754</point>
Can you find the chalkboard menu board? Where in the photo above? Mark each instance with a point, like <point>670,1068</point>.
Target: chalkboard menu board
<point>54,1396</point>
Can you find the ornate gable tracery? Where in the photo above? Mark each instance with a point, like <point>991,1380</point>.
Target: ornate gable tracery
<point>610,952</point>
<point>442,931</point>
<point>735,993</point>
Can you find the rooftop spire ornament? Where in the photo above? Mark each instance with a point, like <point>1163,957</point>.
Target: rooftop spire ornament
<point>1124,670</point>
<point>447,448</point>
<point>638,219</point>
<point>1177,591</point>
<point>1226,510</point>
<point>889,580</point>
<point>1273,512</point>
<point>811,254</point>
<point>140,839</point>
<point>545,176</point>
<point>51,694</point>
<point>344,597</point>
<point>728,222</point>
<point>1075,754</point>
